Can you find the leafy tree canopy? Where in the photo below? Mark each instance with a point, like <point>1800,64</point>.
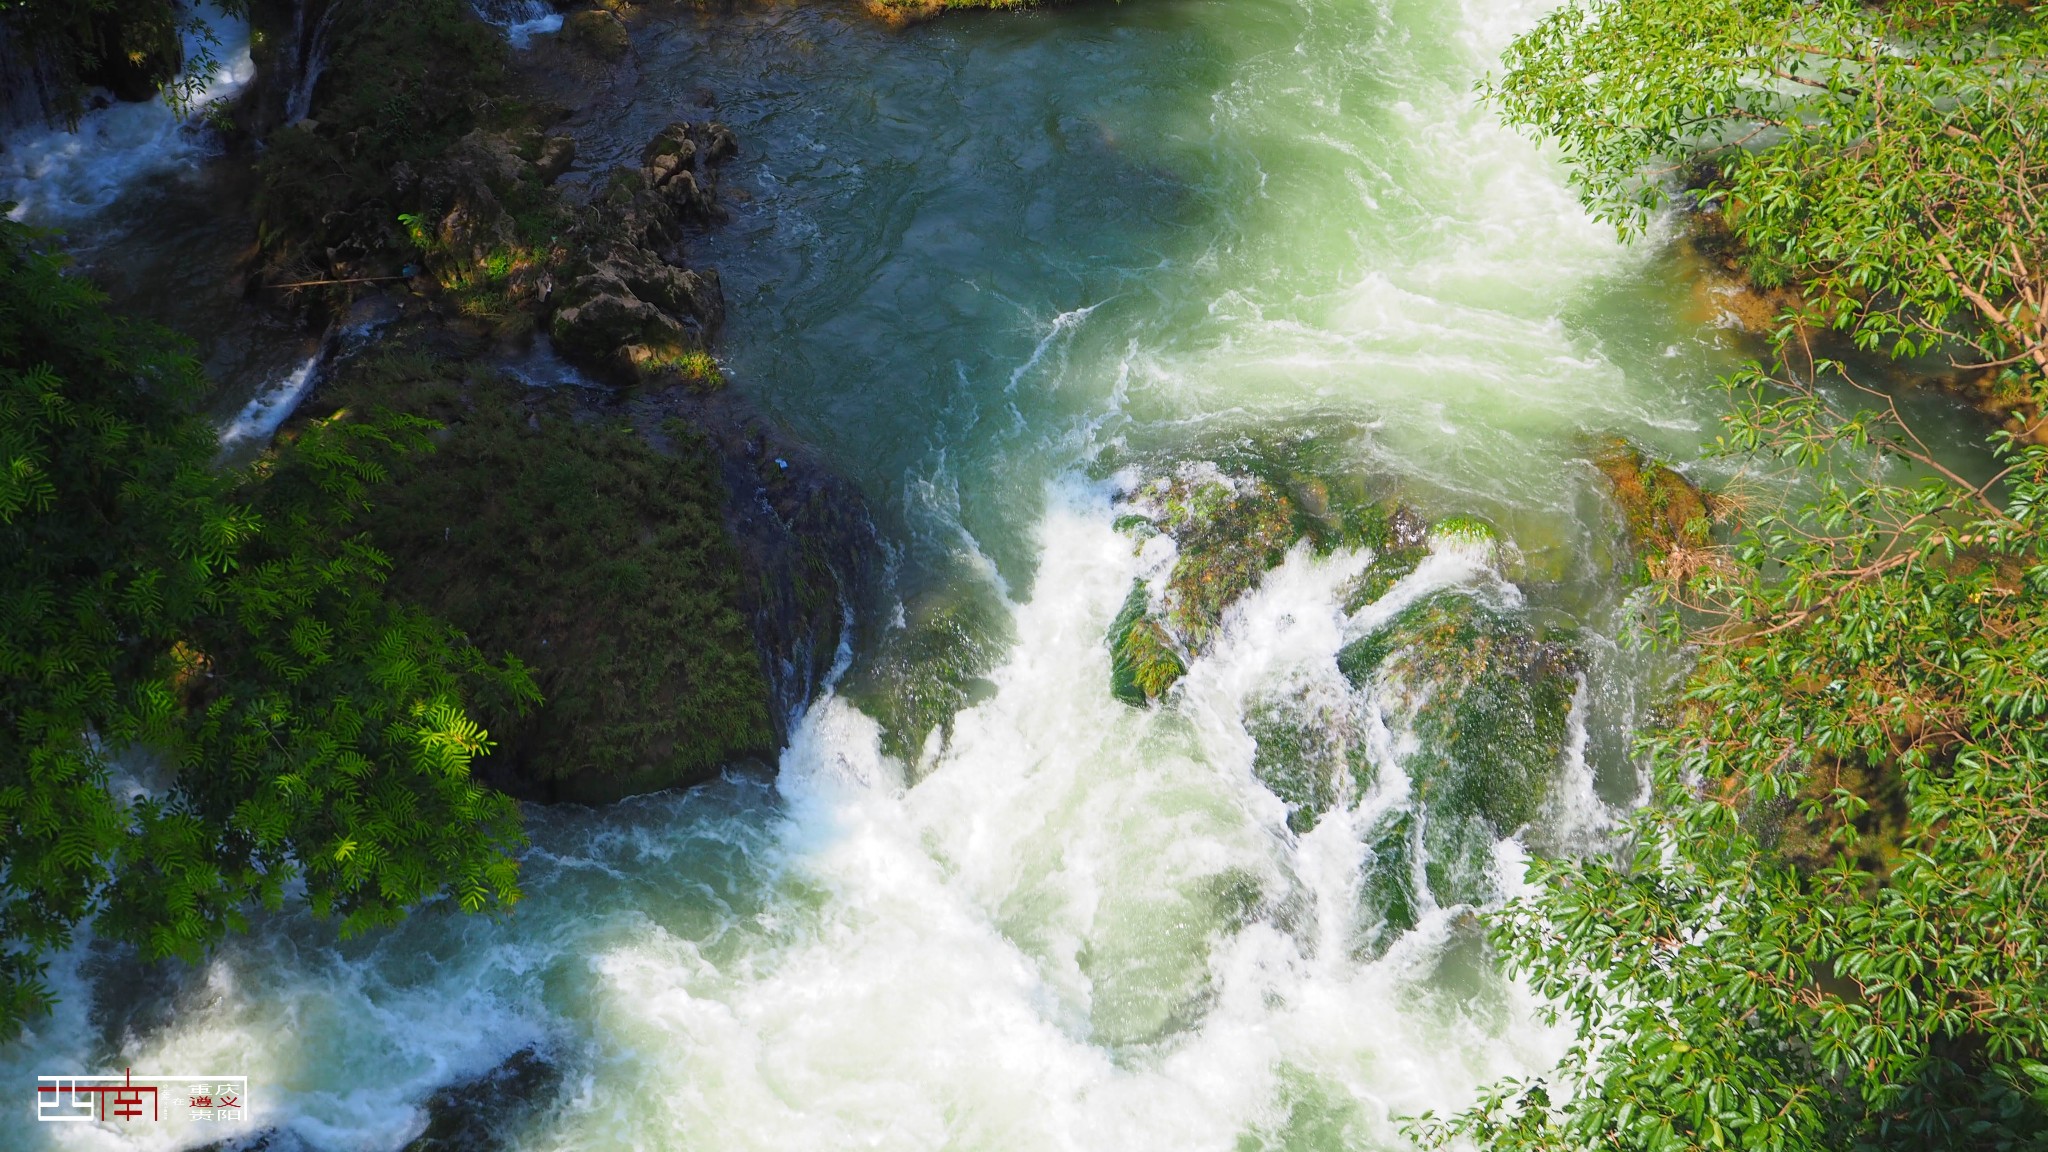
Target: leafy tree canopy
<point>206,694</point>
<point>1827,930</point>
<point>1886,157</point>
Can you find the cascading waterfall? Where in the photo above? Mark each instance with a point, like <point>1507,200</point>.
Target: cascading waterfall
<point>1040,263</point>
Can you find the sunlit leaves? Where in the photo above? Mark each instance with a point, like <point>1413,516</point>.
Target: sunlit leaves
<point>232,629</point>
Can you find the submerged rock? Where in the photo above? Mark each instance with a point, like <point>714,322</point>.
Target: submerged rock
<point>483,1115</point>
<point>1664,512</point>
<point>598,32</point>
<point>1228,531</point>
<point>922,674</point>
<point>1310,752</point>
<point>1143,664</point>
<point>1487,705</point>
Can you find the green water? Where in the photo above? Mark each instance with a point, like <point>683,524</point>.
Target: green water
<point>996,268</point>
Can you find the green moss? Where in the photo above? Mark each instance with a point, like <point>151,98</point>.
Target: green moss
<point>1387,569</point>
<point>1464,529</point>
<point>600,33</point>
<point>1229,533</point>
<point>1305,752</point>
<point>1143,664</point>
<point>603,564</point>
<point>1135,526</point>
<point>1388,903</point>
<point>402,84</point>
<point>1664,512</point>
<point>1488,701</point>
<point>924,673</point>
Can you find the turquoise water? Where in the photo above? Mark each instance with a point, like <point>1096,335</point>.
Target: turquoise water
<point>998,270</point>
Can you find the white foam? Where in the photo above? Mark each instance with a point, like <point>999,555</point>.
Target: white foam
<point>55,175</point>
<point>522,20</point>
<point>264,414</point>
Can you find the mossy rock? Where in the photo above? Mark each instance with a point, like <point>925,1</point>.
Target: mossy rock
<point>1388,903</point>
<point>1464,530</point>
<point>923,674</point>
<point>598,32</point>
<point>1306,752</point>
<point>402,84</point>
<point>1230,531</point>
<point>1488,702</point>
<point>1143,664</point>
<point>1386,570</point>
<point>602,563</point>
<point>1664,511</point>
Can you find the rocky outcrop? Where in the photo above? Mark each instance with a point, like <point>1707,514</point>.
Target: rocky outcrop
<point>627,307</point>
<point>1665,514</point>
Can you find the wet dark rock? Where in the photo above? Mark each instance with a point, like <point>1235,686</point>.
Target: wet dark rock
<point>485,1114</point>
<point>600,33</point>
<point>627,308</point>
<point>557,153</point>
<point>808,550</point>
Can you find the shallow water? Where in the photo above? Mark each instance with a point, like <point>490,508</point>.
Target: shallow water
<point>996,268</point>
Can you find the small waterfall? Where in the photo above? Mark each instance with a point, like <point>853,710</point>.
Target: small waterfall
<point>522,20</point>
<point>53,175</point>
<point>312,57</point>
<point>263,415</point>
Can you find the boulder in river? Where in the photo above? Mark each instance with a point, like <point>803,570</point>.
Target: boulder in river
<point>627,308</point>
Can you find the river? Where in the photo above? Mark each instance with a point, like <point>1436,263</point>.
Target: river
<point>995,268</point>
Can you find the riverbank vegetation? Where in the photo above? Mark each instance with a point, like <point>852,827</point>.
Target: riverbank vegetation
<point>1827,930</point>
<point>207,693</point>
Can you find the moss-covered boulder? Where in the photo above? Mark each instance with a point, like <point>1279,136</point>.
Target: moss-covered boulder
<point>403,83</point>
<point>1665,513</point>
<point>598,32</point>
<point>601,561</point>
<point>1389,897</point>
<point>1309,751</point>
<point>1143,663</point>
<point>920,675</point>
<point>1487,705</point>
<point>1229,530</point>
<point>1400,540</point>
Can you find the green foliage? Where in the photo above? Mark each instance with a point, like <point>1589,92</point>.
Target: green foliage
<point>227,635</point>
<point>1885,157</point>
<point>1727,995</point>
<point>601,562</point>
<point>133,47</point>
<point>403,83</point>
<point>1826,932</point>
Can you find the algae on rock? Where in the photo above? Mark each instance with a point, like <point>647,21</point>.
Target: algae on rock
<point>1142,661</point>
<point>1309,751</point>
<point>602,563</point>
<point>1665,512</point>
<point>925,672</point>
<point>1488,705</point>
